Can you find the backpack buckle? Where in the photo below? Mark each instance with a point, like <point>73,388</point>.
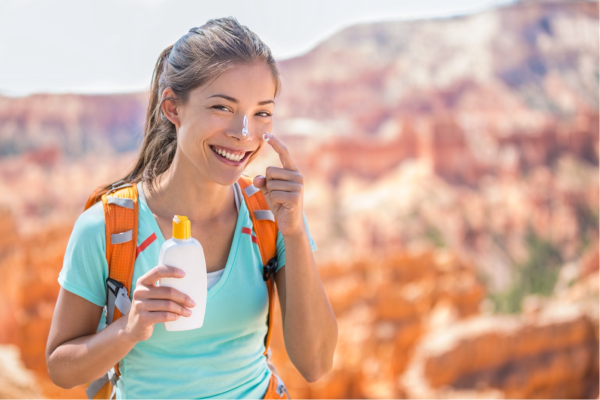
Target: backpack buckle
<point>118,185</point>
<point>269,269</point>
<point>116,297</point>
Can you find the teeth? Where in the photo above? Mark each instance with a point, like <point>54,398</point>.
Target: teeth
<point>228,155</point>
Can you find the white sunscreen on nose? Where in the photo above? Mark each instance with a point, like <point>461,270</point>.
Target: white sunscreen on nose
<point>186,253</point>
<point>245,128</point>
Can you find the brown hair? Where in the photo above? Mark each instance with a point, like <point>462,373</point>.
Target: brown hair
<point>196,58</point>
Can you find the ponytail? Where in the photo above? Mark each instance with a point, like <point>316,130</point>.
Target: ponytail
<point>160,137</point>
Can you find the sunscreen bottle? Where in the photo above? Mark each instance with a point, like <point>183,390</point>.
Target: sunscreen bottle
<point>186,253</point>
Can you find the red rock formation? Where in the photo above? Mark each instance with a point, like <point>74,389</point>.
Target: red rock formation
<point>16,382</point>
<point>549,355</point>
<point>32,246</point>
<point>44,254</point>
<point>383,306</point>
<point>551,351</point>
<point>29,290</point>
<point>590,264</point>
<point>75,124</point>
<point>12,270</point>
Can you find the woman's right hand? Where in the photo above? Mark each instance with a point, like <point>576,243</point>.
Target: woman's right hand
<point>153,304</point>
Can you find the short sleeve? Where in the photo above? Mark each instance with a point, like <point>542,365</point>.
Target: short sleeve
<point>85,269</point>
<point>281,245</point>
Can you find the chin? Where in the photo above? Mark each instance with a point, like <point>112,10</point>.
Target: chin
<point>226,179</point>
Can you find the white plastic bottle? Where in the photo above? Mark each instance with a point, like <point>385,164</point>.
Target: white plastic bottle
<point>186,253</point>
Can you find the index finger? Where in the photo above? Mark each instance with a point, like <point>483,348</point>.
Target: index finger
<point>160,271</point>
<point>284,154</point>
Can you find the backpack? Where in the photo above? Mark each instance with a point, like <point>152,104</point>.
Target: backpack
<point>120,203</point>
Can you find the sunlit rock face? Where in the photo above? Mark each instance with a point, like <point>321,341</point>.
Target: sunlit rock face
<point>508,88</point>
<point>376,66</point>
<point>383,306</point>
<point>71,124</point>
<point>16,381</point>
<point>549,351</point>
<point>550,355</point>
<point>12,267</point>
<point>415,326</point>
<point>41,202</point>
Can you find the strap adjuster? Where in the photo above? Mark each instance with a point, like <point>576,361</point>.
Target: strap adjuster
<point>117,297</point>
<point>270,268</point>
<point>118,185</point>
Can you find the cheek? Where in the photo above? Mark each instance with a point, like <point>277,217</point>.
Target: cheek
<point>196,132</point>
<point>188,141</point>
<point>265,126</point>
<point>253,156</point>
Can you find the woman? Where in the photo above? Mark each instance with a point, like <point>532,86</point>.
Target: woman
<point>210,114</point>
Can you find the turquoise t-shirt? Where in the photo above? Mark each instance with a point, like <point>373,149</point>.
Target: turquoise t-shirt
<point>222,359</point>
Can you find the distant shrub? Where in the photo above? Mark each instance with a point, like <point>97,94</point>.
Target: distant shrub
<point>434,235</point>
<point>537,275</point>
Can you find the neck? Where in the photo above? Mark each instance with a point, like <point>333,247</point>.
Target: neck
<point>181,189</point>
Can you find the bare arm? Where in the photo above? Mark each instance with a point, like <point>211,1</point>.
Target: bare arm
<point>309,325</point>
<point>73,344</point>
<point>76,354</point>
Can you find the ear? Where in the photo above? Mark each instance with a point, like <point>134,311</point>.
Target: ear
<point>169,107</point>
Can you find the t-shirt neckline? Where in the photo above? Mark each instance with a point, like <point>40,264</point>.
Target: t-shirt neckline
<point>234,243</point>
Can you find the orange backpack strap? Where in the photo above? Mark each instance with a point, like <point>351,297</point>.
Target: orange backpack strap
<point>120,204</point>
<point>265,228</point>
<point>121,220</point>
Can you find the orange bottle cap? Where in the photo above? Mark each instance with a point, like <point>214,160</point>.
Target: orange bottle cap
<point>182,227</point>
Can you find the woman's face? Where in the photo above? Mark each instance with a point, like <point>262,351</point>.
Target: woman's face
<point>210,128</point>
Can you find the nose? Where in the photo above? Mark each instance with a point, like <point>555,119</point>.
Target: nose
<point>241,133</point>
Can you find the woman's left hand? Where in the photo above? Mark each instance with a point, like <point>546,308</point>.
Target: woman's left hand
<point>283,189</point>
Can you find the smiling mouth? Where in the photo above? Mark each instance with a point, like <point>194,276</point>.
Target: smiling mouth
<point>233,156</point>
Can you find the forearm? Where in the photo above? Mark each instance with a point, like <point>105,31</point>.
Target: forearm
<point>87,358</point>
<point>309,324</point>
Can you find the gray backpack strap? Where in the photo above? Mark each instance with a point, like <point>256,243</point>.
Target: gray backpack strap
<point>264,215</point>
<point>281,389</point>
<point>121,202</point>
<point>237,194</point>
<point>98,384</point>
<point>123,237</point>
<point>95,386</point>
<point>251,190</point>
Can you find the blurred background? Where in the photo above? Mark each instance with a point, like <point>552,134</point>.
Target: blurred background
<point>450,151</point>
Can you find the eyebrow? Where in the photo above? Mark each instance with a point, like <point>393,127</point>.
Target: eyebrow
<point>231,99</point>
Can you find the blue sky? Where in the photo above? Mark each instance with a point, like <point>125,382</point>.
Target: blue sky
<point>111,46</point>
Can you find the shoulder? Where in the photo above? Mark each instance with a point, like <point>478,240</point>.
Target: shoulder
<point>85,268</point>
<point>90,224</point>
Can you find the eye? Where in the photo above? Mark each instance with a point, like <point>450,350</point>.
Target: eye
<point>264,114</point>
<point>220,107</point>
